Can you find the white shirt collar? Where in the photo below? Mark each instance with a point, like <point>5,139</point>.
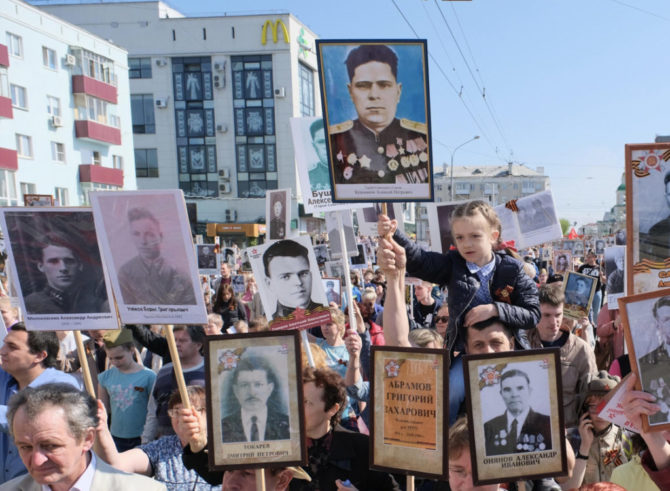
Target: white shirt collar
<point>521,419</point>
<point>85,480</point>
<point>261,416</point>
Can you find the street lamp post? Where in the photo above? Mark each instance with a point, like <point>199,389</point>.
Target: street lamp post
<point>476,137</point>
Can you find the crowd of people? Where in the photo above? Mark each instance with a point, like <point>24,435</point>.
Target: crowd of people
<point>481,297</point>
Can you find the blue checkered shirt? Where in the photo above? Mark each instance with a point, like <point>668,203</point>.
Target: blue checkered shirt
<point>484,273</point>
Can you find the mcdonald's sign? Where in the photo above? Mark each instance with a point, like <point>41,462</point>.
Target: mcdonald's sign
<point>275,27</point>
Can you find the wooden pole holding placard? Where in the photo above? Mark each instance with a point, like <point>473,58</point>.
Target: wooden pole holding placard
<point>83,362</point>
<point>176,367</point>
<point>410,483</point>
<point>260,479</point>
<point>307,348</point>
<point>347,274</point>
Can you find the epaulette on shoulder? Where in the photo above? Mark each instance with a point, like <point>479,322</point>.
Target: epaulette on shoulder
<point>408,124</point>
<point>340,127</point>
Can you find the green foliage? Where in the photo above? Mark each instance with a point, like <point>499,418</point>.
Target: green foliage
<point>565,225</point>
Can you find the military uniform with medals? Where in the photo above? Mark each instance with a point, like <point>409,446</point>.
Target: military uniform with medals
<point>655,375</point>
<point>399,153</point>
<point>535,435</point>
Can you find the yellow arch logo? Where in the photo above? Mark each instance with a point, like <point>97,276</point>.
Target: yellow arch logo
<point>275,27</point>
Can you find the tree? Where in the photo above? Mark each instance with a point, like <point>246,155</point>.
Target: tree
<point>565,225</point>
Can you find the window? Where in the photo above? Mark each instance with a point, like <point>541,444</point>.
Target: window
<point>15,45</point>
<point>528,187</point>
<point>146,162</point>
<point>58,152</point>
<point>8,188</point>
<point>306,90</point>
<point>53,105</point>
<point>19,97</point>
<point>142,108</point>
<point>94,109</point>
<point>24,146</point>
<point>490,188</point>
<point>62,196</point>
<point>97,159</point>
<point>27,188</point>
<point>139,67</point>
<point>117,162</point>
<point>49,57</point>
<point>98,67</point>
<point>462,188</point>
<point>4,83</point>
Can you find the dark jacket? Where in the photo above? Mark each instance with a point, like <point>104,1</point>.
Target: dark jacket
<point>347,459</point>
<point>513,291</point>
<point>276,427</point>
<point>230,316</point>
<point>535,435</point>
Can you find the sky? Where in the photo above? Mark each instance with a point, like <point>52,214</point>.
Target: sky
<point>559,84</point>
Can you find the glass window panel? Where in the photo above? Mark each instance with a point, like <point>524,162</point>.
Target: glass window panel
<point>197,159</point>
<point>182,155</point>
<point>238,85</point>
<point>195,122</point>
<point>257,189</point>
<point>239,122</point>
<point>209,122</point>
<point>193,86</point>
<point>242,158</point>
<point>269,121</point>
<point>257,176</point>
<point>207,85</point>
<point>179,86</point>
<point>181,123</point>
<point>271,158</point>
<point>252,84</point>
<point>254,122</point>
<point>267,83</point>
<point>211,158</point>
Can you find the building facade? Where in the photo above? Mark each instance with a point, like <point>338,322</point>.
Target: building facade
<point>65,125</point>
<point>211,101</point>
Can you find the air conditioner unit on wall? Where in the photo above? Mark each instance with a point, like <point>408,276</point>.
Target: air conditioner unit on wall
<point>224,188</point>
<point>280,92</point>
<point>222,128</point>
<point>230,215</point>
<point>162,103</point>
<point>161,62</point>
<point>224,173</point>
<point>70,60</point>
<point>219,81</point>
<point>220,66</point>
<point>56,121</point>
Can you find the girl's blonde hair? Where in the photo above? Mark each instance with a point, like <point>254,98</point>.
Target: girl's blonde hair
<point>472,208</point>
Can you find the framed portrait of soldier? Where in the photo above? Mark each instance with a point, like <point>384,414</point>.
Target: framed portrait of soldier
<point>408,430</point>
<point>615,260</point>
<point>646,323</point>
<point>376,110</point>
<point>514,420</point>
<point>321,253</point>
<point>238,284</point>
<point>311,158</point>
<point>146,246</point>
<point>368,217</point>
<point>60,278</point>
<point>254,400</point>
<point>647,217</point>
<point>578,248</point>
<point>509,225</point>
<point>38,200</point>
<point>333,287</point>
<point>209,262</point>
<point>578,290</point>
<point>289,283</point>
<point>335,269</point>
<point>537,218</point>
<point>568,245</point>
<point>278,213</point>
<point>600,246</point>
<point>562,262</point>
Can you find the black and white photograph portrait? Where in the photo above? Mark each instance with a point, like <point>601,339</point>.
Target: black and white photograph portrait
<point>377,112</point>
<point>55,254</point>
<point>537,212</point>
<point>578,248</point>
<point>646,321</point>
<point>360,261</point>
<point>289,283</point>
<point>616,276</point>
<point>335,269</point>
<point>513,412</point>
<point>237,282</point>
<point>254,397</point>
<point>278,213</point>
<point>333,289</point>
<point>600,246</point>
<point>145,240</point>
<point>208,259</point>
<point>578,289</point>
<point>332,226</point>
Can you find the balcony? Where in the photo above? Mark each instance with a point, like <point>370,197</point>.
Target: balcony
<point>90,130</point>
<point>100,175</point>
<point>81,84</point>
<point>6,108</point>
<point>4,55</point>
<point>9,159</point>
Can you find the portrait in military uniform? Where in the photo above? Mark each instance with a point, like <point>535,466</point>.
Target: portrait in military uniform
<point>616,274</point>
<point>59,269</point>
<point>145,240</point>
<point>578,290</point>
<point>514,411</point>
<point>289,282</point>
<point>208,259</point>
<point>277,213</point>
<point>334,243</point>
<point>378,128</point>
<point>646,321</point>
